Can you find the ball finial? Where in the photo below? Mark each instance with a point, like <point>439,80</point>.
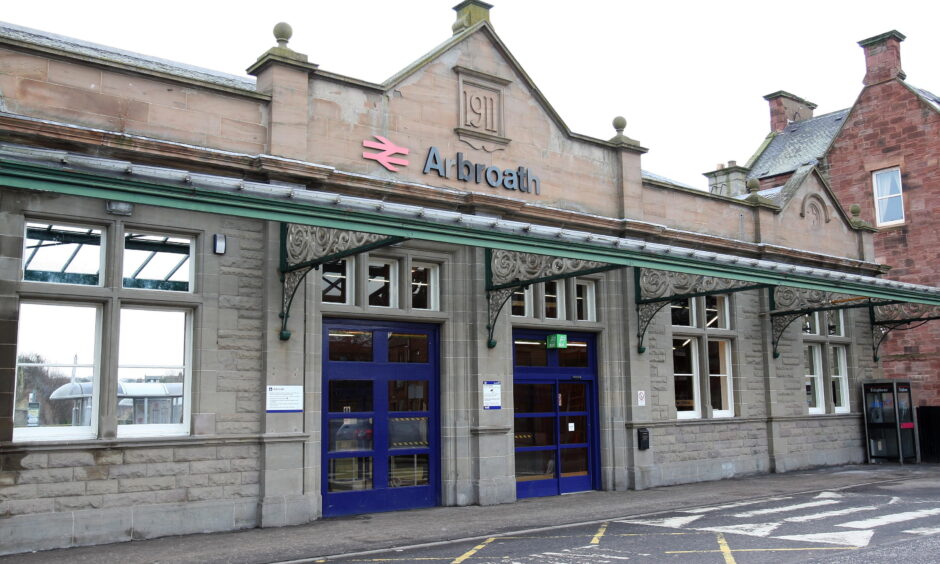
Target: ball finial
<point>620,123</point>
<point>753,185</point>
<point>283,33</point>
<point>855,210</point>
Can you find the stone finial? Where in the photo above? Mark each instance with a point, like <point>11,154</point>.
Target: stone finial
<point>620,123</point>
<point>282,34</point>
<point>753,185</point>
<point>855,210</point>
<point>470,13</point>
<point>856,220</point>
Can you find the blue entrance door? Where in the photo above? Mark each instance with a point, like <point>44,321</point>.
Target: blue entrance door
<point>380,419</point>
<point>554,398</point>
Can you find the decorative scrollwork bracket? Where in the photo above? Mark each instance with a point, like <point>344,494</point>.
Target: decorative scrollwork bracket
<point>899,316</point>
<point>510,271</point>
<point>306,247</point>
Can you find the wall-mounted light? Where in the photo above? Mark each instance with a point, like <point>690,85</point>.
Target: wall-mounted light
<point>218,244</point>
<point>114,207</point>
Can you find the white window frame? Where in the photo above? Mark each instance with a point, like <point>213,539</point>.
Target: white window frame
<point>815,349</point>
<point>840,322</point>
<point>192,257</point>
<point>392,282</point>
<point>724,309</point>
<point>559,299</point>
<point>163,429</point>
<point>895,173</point>
<point>726,373</point>
<point>590,310</point>
<point>839,353</point>
<point>693,319</point>
<point>350,267</point>
<point>696,412</point>
<point>102,251</point>
<point>433,285</point>
<point>84,432</point>
<point>527,306</point>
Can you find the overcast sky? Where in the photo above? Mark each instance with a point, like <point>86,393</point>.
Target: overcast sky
<point>689,76</point>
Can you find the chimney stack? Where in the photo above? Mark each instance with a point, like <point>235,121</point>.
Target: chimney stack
<point>786,108</point>
<point>728,180</point>
<point>469,13</point>
<point>882,57</point>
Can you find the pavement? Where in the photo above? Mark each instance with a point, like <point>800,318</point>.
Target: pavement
<point>362,534</point>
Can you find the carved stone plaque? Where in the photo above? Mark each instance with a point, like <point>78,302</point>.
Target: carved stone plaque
<point>480,121</point>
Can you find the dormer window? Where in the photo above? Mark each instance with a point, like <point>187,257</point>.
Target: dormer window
<point>889,202</point>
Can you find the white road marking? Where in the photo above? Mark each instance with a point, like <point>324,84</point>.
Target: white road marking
<point>853,538</point>
<point>786,508</point>
<point>889,519</point>
<point>829,495</point>
<point>750,529</point>
<point>732,505</point>
<point>827,514</point>
<point>894,500</point>
<point>671,522</point>
<point>924,531</point>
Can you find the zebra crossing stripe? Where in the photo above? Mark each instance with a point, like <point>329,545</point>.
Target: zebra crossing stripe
<point>786,508</point>
<point>671,522</point>
<point>924,531</point>
<point>749,529</point>
<point>828,514</point>
<point>732,505</point>
<point>889,519</point>
<point>858,539</point>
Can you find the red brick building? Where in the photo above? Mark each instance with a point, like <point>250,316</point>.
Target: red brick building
<point>883,154</point>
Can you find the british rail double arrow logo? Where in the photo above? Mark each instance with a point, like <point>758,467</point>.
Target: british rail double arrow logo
<point>388,150</point>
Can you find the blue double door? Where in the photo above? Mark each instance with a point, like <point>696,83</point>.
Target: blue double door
<point>555,421</point>
<point>380,417</point>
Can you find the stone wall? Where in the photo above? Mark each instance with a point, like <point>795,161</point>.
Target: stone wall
<point>54,498</point>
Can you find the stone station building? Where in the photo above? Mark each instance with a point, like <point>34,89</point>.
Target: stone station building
<point>235,302</point>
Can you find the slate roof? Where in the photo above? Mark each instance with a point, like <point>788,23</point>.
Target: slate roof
<point>801,143</point>
<point>647,175</point>
<point>59,43</point>
<point>926,96</point>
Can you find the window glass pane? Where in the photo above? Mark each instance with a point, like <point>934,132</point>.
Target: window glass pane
<point>719,369</point>
<point>535,465</point>
<point>836,361</point>
<point>533,398</point>
<point>682,358</point>
<point>519,306</point>
<point>535,431</point>
<point>407,395</point>
<point>576,355</point>
<point>350,434</point>
<point>888,183</point>
<point>348,474</point>
<point>350,345</point>
<point>837,398</point>
<point>530,352</point>
<point>718,361</point>
<point>811,392</point>
<point>682,313</point>
<point>405,347</point>
<point>151,367</point>
<point>408,432</point>
<point>573,429</point>
<point>423,291</point>
<point>716,312</point>
<point>809,360</point>
<point>55,365</point>
<point>408,470</point>
<point>552,292</point>
<point>350,396</point>
<point>573,396</point>
<point>890,209</point>
<point>835,326</point>
<point>334,282</point>
<point>64,254</point>
<point>157,262</point>
<point>685,393</point>
<point>574,462</point>
<point>381,285</point>
<point>810,324</point>
<point>584,301</point>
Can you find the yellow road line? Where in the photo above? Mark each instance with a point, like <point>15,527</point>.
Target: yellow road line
<point>473,551</point>
<point>763,549</point>
<point>725,550</point>
<point>599,534</point>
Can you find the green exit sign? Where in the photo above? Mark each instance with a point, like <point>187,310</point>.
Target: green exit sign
<point>557,341</point>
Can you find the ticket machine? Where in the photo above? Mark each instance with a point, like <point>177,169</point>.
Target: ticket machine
<point>890,425</point>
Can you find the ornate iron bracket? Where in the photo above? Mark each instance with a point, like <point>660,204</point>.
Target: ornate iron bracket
<point>655,289</point>
<point>510,271</point>
<point>788,304</point>
<point>886,318</point>
<point>305,248</point>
